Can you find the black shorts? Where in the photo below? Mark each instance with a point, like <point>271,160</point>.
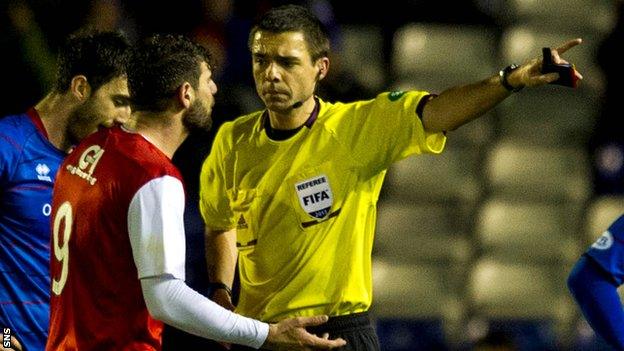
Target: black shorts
<point>356,329</point>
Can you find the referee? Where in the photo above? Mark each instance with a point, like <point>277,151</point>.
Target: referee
<point>291,191</point>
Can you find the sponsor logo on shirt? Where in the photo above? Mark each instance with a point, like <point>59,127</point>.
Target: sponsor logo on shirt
<point>86,164</point>
<point>604,242</point>
<point>395,95</point>
<point>42,172</point>
<point>315,196</point>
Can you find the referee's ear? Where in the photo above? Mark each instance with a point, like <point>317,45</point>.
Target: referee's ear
<point>323,67</point>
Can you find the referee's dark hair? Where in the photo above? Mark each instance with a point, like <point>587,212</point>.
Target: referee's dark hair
<point>295,18</point>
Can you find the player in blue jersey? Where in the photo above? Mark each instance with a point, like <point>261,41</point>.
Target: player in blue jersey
<point>594,281</point>
<point>90,91</point>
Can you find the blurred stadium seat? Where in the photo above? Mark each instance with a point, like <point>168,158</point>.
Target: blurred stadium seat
<point>521,170</point>
<point>601,212</point>
<point>361,55</point>
<point>450,176</point>
<point>478,133</point>
<point>526,299</point>
<point>426,55</point>
<point>527,231</point>
<point>501,289</point>
<point>571,14</point>
<point>415,306</point>
<point>549,115</point>
<point>424,232</point>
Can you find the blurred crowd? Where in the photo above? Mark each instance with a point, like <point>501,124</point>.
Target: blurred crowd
<point>31,30</point>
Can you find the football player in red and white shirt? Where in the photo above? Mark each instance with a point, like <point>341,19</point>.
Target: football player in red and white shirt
<point>118,248</point>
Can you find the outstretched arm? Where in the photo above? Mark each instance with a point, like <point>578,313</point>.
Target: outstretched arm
<point>458,105</point>
<point>598,299</point>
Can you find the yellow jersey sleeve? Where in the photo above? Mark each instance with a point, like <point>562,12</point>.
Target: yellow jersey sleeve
<point>386,129</point>
<point>214,205</point>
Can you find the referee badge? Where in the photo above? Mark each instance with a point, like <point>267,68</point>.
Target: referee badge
<point>315,196</point>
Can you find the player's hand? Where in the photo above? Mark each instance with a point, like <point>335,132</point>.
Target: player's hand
<point>290,334</point>
<point>530,75</point>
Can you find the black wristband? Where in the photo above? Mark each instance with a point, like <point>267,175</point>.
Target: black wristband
<point>503,78</point>
<point>217,285</point>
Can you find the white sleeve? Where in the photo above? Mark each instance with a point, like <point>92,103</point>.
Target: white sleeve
<point>171,301</point>
<point>156,228</point>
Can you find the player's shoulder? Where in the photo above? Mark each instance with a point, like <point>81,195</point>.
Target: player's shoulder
<point>17,126</point>
<point>126,151</point>
<point>145,158</point>
<point>140,153</point>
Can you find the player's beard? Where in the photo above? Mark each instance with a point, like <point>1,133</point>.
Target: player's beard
<point>82,121</point>
<point>197,118</point>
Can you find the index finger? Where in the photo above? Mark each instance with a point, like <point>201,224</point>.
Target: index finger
<point>311,321</point>
<point>320,343</point>
<point>568,45</point>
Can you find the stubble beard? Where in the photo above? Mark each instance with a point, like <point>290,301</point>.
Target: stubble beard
<point>197,118</point>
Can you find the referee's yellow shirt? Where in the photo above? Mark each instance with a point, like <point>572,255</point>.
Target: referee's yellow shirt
<point>305,208</point>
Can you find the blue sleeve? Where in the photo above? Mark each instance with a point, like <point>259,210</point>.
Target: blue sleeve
<point>5,158</point>
<point>596,294</point>
<point>608,251</point>
<point>9,151</point>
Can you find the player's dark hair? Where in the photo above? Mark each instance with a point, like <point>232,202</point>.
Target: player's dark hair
<point>159,66</point>
<point>99,56</point>
<point>295,18</point>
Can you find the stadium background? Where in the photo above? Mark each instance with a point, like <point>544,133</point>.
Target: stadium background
<point>471,245</point>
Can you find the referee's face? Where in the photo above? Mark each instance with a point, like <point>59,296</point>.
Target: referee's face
<point>283,69</point>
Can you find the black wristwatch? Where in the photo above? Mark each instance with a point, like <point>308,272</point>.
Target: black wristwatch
<point>503,78</point>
